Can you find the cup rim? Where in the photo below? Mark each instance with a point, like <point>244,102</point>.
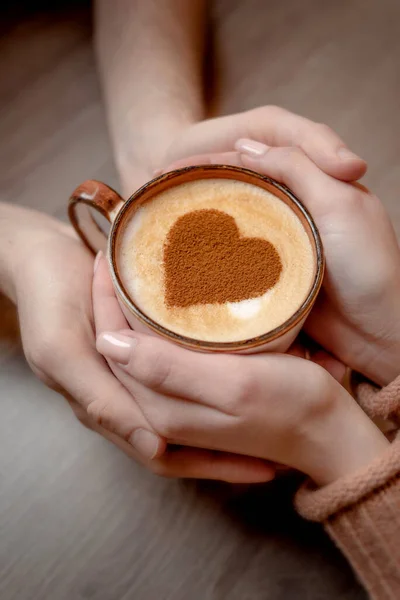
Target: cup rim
<point>188,342</point>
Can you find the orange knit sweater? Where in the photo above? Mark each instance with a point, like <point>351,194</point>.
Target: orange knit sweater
<point>361,512</point>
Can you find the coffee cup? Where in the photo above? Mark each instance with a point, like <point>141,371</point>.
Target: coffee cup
<point>213,258</point>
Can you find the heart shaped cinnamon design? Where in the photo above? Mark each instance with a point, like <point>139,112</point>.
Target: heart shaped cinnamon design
<point>207,262</point>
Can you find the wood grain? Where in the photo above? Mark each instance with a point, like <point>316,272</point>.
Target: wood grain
<point>78,520</point>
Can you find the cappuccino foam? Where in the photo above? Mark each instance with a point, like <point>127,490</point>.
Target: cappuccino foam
<point>257,214</point>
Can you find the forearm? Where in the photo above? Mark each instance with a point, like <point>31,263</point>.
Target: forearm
<point>150,57</point>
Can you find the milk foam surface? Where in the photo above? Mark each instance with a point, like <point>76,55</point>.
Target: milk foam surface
<point>257,214</point>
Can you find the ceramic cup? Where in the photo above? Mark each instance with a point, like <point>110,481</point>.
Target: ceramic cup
<point>95,195</point>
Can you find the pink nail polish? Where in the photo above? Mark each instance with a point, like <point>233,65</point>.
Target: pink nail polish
<point>116,347</point>
<point>145,442</point>
<point>347,154</point>
<point>251,148</point>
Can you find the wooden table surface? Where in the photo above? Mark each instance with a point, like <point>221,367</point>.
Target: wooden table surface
<point>78,520</point>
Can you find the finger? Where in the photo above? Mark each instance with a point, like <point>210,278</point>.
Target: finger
<point>287,165</point>
<point>291,167</point>
<point>273,126</point>
<point>209,464</point>
<point>107,313</point>
<point>195,463</point>
<point>223,158</point>
<point>168,369</point>
<point>178,420</point>
<point>105,400</point>
<point>190,462</point>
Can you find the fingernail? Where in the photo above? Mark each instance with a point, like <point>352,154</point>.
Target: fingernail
<point>157,172</point>
<point>97,260</point>
<point>116,346</point>
<point>251,148</point>
<point>346,154</point>
<point>145,442</point>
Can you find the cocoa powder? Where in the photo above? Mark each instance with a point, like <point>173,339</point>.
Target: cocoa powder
<point>207,262</point>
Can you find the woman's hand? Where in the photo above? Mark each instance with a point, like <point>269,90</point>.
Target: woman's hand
<point>274,126</point>
<point>48,273</point>
<point>276,407</point>
<point>52,274</point>
<point>357,314</point>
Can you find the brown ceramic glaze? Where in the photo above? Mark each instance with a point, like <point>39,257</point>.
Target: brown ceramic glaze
<point>93,194</point>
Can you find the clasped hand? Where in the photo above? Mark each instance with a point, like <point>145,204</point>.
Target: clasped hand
<point>255,409</point>
<point>280,408</point>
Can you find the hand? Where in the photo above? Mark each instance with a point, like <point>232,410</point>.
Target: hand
<point>273,126</point>
<point>52,277</point>
<point>276,407</point>
<point>53,297</point>
<point>357,314</point>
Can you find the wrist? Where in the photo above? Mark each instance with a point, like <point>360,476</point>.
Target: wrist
<point>20,229</point>
<point>385,365</point>
<point>341,440</point>
<point>380,353</point>
<point>138,154</point>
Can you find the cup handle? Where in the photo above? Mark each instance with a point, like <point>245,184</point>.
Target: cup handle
<point>93,195</point>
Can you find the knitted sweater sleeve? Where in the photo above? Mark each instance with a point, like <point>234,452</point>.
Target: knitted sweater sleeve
<point>361,512</point>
